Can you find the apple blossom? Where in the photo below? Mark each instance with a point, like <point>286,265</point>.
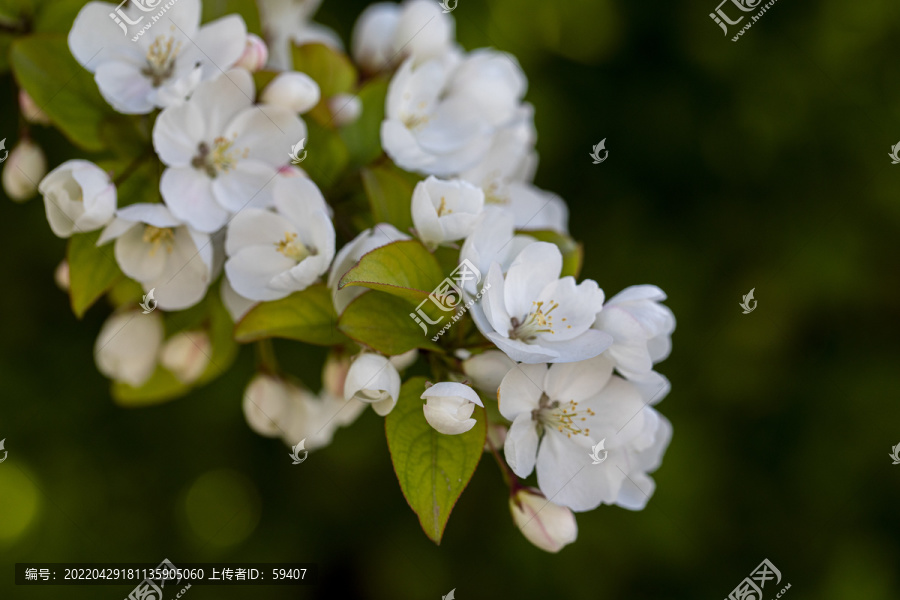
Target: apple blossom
<point>559,412</point>
<point>534,316</point>
<point>441,116</point>
<point>548,526</point>
<point>386,33</point>
<point>288,22</point>
<point>127,347</point>
<point>272,254</point>
<point>445,211</point>
<point>641,328</point>
<point>370,239</point>
<point>158,69</point>
<point>449,407</point>
<point>255,56</point>
<point>162,253</point>
<point>187,354</point>
<point>236,305</point>
<point>267,402</point>
<point>222,152</point>
<point>78,197</point>
<point>374,380</point>
<point>345,109</point>
<point>293,91</point>
<point>24,168</point>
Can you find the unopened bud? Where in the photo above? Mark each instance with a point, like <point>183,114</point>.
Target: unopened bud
<point>23,171</point>
<point>31,111</point>
<point>548,526</point>
<point>297,92</point>
<point>187,354</point>
<point>255,55</point>
<point>345,108</point>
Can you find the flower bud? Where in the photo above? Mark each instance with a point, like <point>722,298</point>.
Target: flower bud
<point>61,275</point>
<point>548,526</point>
<point>255,55</point>
<point>267,405</point>
<point>24,168</point>
<point>297,92</point>
<point>30,109</point>
<point>334,374</point>
<point>374,380</point>
<point>127,346</point>
<point>78,197</point>
<point>373,37</point>
<point>449,407</point>
<point>187,354</point>
<point>345,108</point>
<point>487,370</point>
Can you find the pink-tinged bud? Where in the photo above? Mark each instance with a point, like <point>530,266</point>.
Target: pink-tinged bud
<point>255,55</point>
<point>297,92</point>
<point>548,526</point>
<point>187,354</point>
<point>267,405</point>
<point>334,374</point>
<point>31,111</point>
<point>23,171</point>
<point>345,108</point>
<point>61,275</point>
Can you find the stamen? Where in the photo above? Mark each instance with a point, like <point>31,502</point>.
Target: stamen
<point>291,248</point>
<point>161,59</point>
<point>157,236</point>
<point>535,322</point>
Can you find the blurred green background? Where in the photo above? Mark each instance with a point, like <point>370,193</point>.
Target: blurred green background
<point>758,164</point>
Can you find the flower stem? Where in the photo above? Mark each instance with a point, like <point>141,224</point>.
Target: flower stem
<point>509,478</point>
<point>265,357</point>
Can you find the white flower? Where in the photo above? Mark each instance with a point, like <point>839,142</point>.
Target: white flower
<point>127,346</point>
<point>441,116</point>
<point>78,197</point>
<point>222,152</point>
<point>445,211</point>
<point>641,329</point>
<point>536,210</point>
<point>293,91</point>
<point>560,412</point>
<point>487,370</point>
<point>165,63</point>
<point>286,22</point>
<point>345,109</point>
<point>374,380</point>
<point>349,255</point>
<point>255,56</point>
<point>267,403</point>
<point>160,252</point>
<point>273,254</point>
<point>511,158</point>
<point>643,456</point>
<point>449,407</point>
<point>493,240</point>
<point>24,168</point>
<point>316,418</point>
<point>187,354</point>
<point>548,526</point>
<point>236,305</point>
<point>387,33</point>
<point>534,316</point>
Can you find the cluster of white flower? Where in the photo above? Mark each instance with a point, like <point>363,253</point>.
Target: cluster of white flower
<point>571,370</point>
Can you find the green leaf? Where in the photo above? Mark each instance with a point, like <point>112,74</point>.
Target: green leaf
<point>92,270</point>
<point>330,68</point>
<point>214,9</point>
<point>65,91</point>
<point>405,269</point>
<point>306,316</point>
<point>572,251</point>
<point>161,387</point>
<point>390,191</point>
<point>433,469</point>
<point>56,16</point>
<point>363,136</point>
<point>382,322</point>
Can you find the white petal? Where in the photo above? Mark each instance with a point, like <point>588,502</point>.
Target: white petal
<point>252,270</point>
<point>188,194</point>
<point>521,446</point>
<point>538,265</point>
<point>579,380</point>
<point>449,389</point>
<point>521,390</point>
